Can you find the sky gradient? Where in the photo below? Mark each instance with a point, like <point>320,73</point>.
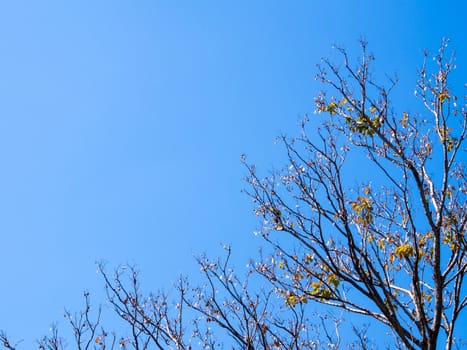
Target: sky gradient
<point>122,124</point>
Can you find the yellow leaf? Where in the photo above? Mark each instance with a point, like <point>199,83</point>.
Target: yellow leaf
<point>331,108</point>
<point>291,300</point>
<point>381,243</point>
<point>404,251</point>
<point>334,280</point>
<point>297,277</point>
<point>443,95</point>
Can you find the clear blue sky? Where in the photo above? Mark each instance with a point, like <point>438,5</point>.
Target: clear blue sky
<point>122,124</point>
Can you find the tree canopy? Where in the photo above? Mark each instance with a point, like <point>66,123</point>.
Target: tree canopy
<point>393,248</point>
<point>367,216</point>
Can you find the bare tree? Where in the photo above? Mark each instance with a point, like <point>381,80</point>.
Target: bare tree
<point>85,327</point>
<point>249,312</point>
<point>154,321</point>
<point>394,248</point>
<point>225,311</point>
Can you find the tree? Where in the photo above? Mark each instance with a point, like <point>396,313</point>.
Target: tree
<point>392,249</point>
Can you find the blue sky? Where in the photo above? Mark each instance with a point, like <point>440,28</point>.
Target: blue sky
<point>122,124</point>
